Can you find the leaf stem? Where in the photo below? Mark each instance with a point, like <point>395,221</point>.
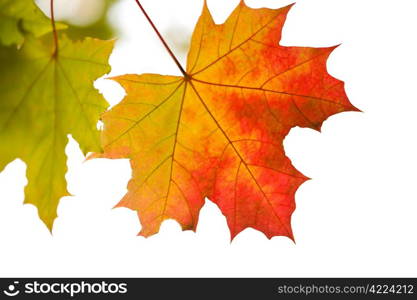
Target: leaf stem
<point>54,29</point>
<point>162,39</point>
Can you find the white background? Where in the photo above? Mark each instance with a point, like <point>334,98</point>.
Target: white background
<point>356,217</point>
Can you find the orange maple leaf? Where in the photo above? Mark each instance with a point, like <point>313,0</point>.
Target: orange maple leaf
<point>218,131</point>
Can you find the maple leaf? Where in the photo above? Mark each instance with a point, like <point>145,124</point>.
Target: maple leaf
<point>44,96</point>
<point>18,17</point>
<point>218,131</point>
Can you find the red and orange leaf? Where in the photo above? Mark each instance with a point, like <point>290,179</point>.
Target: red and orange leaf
<point>218,131</point>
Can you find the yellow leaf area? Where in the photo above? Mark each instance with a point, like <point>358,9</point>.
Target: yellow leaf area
<point>218,131</point>
<point>44,97</point>
<point>18,17</point>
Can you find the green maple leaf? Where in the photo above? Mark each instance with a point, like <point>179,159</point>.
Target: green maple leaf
<point>20,16</point>
<point>44,96</point>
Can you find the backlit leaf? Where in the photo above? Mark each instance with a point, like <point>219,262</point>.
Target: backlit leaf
<point>43,98</point>
<point>218,131</point>
<point>20,16</point>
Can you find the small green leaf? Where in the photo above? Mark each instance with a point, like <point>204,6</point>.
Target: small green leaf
<point>20,16</point>
<point>43,98</point>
